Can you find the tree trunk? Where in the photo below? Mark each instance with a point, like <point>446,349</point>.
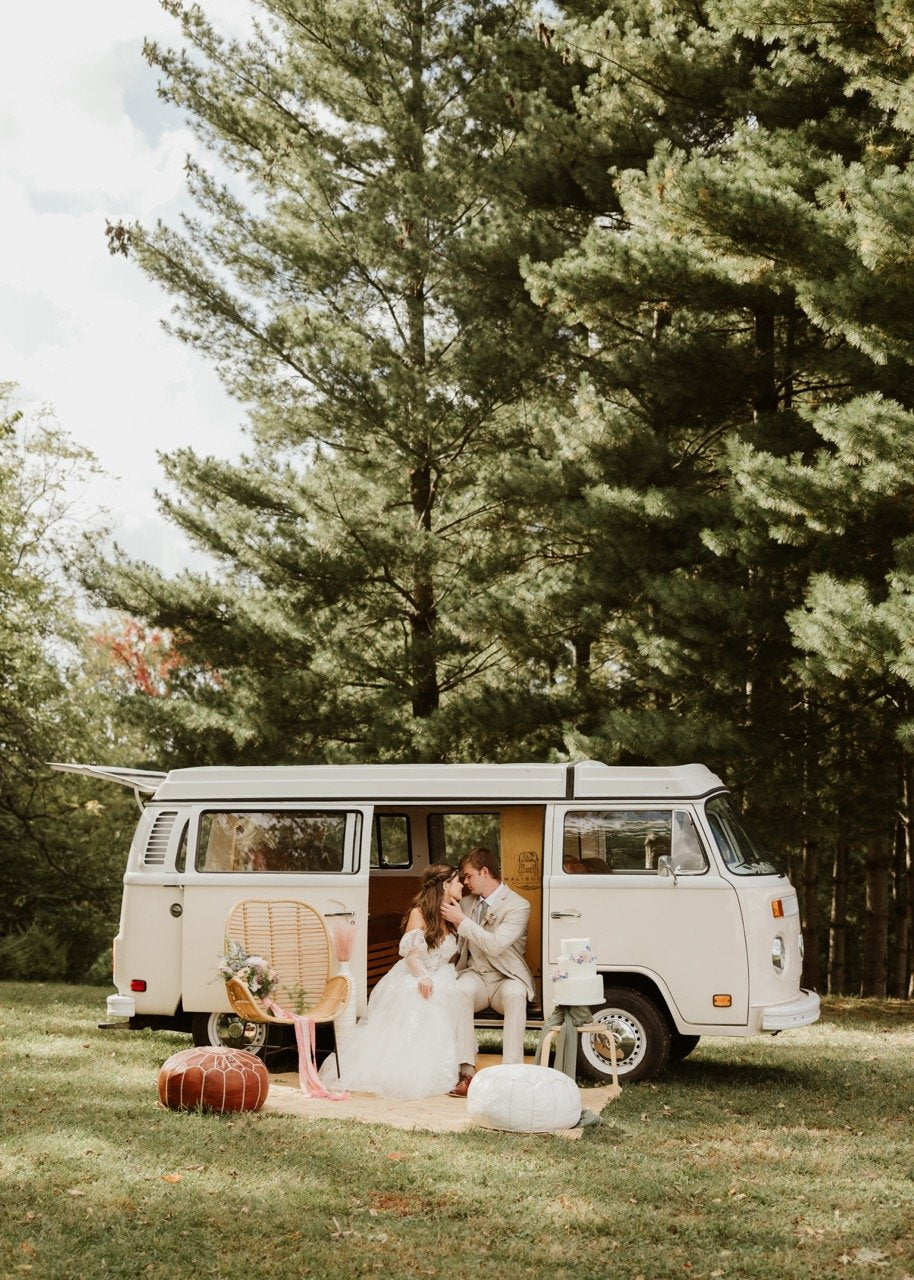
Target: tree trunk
<point>874,972</point>
<point>811,925</point>
<point>765,390</point>
<point>904,890</point>
<point>837,930</point>
<point>423,619</point>
<point>790,335</point>
<point>581,646</point>
<point>900,935</point>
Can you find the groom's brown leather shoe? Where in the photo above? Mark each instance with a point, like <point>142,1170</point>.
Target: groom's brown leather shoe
<point>461,1088</point>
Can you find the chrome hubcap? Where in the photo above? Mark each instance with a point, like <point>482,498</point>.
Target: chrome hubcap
<point>628,1035</point>
<point>234,1033</point>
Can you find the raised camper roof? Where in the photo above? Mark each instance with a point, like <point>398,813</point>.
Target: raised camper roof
<point>439,783</point>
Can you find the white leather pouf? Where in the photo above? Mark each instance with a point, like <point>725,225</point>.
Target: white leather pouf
<point>523,1099</point>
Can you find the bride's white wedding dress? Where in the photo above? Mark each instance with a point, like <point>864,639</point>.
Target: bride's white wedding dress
<point>405,1045</point>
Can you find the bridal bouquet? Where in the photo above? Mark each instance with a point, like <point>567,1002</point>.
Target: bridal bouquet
<point>253,971</point>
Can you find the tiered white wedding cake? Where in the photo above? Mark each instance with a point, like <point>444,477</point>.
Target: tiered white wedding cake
<point>575,979</point>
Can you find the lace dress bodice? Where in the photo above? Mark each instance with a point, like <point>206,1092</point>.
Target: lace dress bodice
<point>415,951</point>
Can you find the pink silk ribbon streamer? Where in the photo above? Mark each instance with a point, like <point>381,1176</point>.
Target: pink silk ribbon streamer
<point>306,1038</point>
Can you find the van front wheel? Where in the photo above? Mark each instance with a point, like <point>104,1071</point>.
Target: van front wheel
<point>641,1034</point>
<point>681,1046</point>
<point>228,1031</point>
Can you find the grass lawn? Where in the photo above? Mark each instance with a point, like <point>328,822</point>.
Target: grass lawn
<point>791,1157</point>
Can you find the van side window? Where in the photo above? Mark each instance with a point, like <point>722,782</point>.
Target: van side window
<point>602,842</point>
<point>272,841</point>
<point>451,835</point>
<point>390,845</point>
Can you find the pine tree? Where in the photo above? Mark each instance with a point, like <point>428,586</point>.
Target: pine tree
<point>743,291</point>
<point>356,279</point>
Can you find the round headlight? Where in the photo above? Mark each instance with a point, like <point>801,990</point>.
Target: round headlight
<point>778,954</point>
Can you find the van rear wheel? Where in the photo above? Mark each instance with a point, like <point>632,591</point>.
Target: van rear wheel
<point>641,1034</point>
<point>228,1031</point>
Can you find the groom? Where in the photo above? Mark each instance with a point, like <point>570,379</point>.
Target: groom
<point>492,929</point>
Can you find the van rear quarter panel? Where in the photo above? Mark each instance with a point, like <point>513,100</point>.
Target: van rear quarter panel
<point>148,945</point>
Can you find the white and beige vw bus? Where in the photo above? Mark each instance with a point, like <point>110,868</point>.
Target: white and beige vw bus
<point>695,930</point>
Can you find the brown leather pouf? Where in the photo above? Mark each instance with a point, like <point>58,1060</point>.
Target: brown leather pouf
<point>213,1080</point>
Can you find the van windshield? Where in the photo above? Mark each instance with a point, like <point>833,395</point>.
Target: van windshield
<point>740,850</point>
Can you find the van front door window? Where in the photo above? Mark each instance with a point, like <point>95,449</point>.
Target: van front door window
<point>607,841</point>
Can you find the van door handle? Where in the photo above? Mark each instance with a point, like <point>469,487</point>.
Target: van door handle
<point>559,915</point>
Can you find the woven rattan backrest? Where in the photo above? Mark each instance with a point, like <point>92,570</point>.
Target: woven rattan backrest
<point>293,938</point>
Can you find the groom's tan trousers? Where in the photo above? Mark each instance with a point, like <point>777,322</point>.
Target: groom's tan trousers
<point>507,996</point>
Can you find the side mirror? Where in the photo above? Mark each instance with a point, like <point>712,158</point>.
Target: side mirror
<point>665,867</point>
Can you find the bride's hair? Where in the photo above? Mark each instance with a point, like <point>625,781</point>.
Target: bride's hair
<point>429,899</point>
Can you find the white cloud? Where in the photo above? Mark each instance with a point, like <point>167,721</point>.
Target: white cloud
<point>83,139</point>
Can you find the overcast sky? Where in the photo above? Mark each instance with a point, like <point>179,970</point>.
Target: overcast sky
<point>84,138</point>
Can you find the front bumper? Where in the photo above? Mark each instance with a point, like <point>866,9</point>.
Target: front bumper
<point>121,1006</point>
<point>798,1012</point>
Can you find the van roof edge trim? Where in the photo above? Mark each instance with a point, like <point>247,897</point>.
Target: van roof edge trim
<point>225,802</point>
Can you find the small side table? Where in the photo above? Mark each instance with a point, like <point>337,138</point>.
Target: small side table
<point>586,1028</point>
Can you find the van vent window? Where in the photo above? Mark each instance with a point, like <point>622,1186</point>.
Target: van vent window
<point>157,844</point>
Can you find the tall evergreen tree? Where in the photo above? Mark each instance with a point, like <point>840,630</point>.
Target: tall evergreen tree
<point>356,279</point>
<point>747,281</point>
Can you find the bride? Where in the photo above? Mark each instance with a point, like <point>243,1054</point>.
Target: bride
<point>405,1046</point>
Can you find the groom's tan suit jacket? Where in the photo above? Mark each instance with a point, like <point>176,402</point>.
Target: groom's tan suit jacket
<point>501,937</point>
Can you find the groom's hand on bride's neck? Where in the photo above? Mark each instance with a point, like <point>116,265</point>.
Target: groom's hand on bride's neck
<point>452,912</point>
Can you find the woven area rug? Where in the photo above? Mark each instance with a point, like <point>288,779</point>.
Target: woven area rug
<point>434,1115</point>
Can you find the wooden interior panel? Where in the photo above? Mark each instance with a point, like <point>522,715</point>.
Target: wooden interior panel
<point>388,898</point>
<point>391,893</point>
<point>522,869</point>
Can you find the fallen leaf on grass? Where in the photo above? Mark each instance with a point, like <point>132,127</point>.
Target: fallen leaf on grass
<point>870,1257</point>
<point>172,1177</point>
<point>397,1155</point>
<point>75,1191</point>
<point>864,1257</point>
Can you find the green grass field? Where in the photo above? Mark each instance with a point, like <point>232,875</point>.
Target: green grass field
<point>791,1157</point>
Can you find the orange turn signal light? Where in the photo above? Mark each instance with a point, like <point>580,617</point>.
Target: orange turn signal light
<point>777,908</point>
<point>722,1002</point>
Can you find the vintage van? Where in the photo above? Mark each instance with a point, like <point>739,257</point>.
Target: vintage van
<point>696,932</point>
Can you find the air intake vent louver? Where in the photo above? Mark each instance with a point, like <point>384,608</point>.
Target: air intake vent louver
<point>157,844</point>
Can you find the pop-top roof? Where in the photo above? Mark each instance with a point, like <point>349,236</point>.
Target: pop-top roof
<point>438,783</point>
